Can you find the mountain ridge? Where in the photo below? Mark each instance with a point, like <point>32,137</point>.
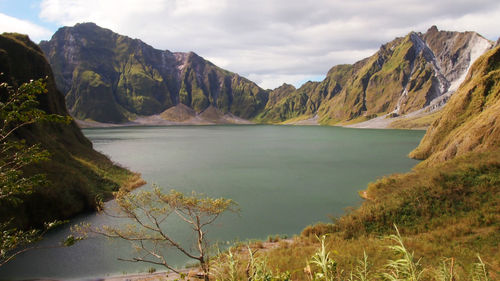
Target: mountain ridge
<point>109,77</point>
<point>411,75</point>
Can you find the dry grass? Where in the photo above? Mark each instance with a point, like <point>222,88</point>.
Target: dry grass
<point>415,123</point>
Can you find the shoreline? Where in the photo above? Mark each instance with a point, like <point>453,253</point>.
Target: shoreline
<point>165,275</point>
<point>381,122</point>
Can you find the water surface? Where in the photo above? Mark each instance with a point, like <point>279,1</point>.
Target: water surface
<point>283,178</point>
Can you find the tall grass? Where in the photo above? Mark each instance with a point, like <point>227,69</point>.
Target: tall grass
<point>327,267</point>
<point>321,265</point>
<point>404,268</point>
<point>479,271</point>
<point>362,271</point>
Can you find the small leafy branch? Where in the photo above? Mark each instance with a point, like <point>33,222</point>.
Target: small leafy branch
<point>19,108</point>
<point>13,241</point>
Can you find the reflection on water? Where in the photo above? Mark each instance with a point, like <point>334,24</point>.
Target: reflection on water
<point>282,177</point>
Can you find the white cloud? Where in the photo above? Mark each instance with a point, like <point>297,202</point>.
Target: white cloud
<point>275,41</point>
<point>11,24</point>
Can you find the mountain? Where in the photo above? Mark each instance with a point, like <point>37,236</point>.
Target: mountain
<point>77,174</point>
<point>287,103</point>
<point>407,74</point>
<point>111,78</point>
<point>471,120</point>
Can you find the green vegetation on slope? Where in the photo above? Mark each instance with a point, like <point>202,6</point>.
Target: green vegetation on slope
<point>76,173</point>
<point>287,103</point>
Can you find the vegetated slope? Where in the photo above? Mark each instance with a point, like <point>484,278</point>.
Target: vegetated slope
<point>77,174</point>
<point>447,208</point>
<point>471,121</point>
<point>405,75</point>
<point>286,102</point>
<point>111,78</point>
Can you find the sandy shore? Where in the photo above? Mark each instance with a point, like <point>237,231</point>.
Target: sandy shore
<point>382,122</point>
<point>313,121</point>
<point>157,120</point>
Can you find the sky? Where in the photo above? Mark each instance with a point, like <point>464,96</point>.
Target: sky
<point>270,42</point>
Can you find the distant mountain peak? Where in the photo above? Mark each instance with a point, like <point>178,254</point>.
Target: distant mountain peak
<point>432,29</point>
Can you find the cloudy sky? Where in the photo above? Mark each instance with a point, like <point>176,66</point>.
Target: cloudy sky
<point>267,41</point>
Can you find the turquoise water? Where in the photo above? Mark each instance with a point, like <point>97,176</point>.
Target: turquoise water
<point>283,178</point>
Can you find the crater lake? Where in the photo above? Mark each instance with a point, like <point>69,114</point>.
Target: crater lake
<point>282,177</point>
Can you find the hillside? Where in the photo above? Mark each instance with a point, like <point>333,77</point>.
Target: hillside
<point>110,78</point>
<point>77,174</point>
<point>471,121</point>
<point>406,75</point>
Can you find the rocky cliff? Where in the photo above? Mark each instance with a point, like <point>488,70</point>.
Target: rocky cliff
<point>112,78</point>
<point>77,174</point>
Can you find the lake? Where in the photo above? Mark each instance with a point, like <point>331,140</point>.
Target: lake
<point>283,178</point>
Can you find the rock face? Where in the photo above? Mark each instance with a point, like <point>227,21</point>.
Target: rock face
<point>75,171</point>
<point>471,119</point>
<point>405,75</point>
<point>112,78</point>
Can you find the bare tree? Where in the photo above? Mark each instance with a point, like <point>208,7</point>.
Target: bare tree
<point>149,231</point>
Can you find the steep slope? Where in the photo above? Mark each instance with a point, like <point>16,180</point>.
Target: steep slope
<point>286,102</point>
<point>112,78</point>
<point>470,121</point>
<point>77,173</point>
<point>404,76</point>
